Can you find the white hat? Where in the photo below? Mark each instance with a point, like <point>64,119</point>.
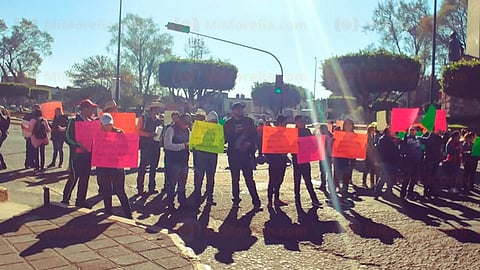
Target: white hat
<point>212,117</point>
<point>106,119</point>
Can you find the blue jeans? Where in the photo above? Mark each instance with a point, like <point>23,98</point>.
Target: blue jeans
<point>242,162</point>
<point>177,174</point>
<point>204,164</point>
<point>148,157</point>
<point>387,174</point>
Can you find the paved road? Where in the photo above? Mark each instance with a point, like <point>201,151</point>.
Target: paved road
<point>370,234</point>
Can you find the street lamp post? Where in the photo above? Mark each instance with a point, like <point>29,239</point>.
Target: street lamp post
<point>434,45</point>
<point>186,29</point>
<point>117,81</point>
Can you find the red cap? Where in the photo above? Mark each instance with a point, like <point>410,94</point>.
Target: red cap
<point>87,103</point>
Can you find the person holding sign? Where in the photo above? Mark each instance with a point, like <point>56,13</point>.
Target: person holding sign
<point>412,158</point>
<point>434,148</point>
<point>59,126</point>
<point>80,157</point>
<point>277,166</point>
<point>176,156</point>
<point>343,167</point>
<point>304,169</point>
<point>148,127</point>
<point>240,135</point>
<point>388,159</point>
<point>206,164</point>
<point>326,164</point>
<point>371,157</point>
<point>112,180</point>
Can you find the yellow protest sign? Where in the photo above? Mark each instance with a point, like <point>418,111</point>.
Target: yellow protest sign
<point>207,137</point>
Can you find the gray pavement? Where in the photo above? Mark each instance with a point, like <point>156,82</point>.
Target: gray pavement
<point>365,234</point>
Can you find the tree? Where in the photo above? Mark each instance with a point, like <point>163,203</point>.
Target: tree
<point>94,71</point>
<point>193,78</point>
<point>22,48</point>
<point>403,27</point>
<point>452,16</point>
<point>144,47</point>
<point>370,76</point>
<point>263,94</point>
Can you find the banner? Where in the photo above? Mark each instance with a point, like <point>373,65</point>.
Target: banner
<point>279,140</point>
<point>115,150</point>
<point>311,148</point>
<point>429,118</point>
<point>125,121</point>
<point>85,131</point>
<point>402,118</point>
<point>48,109</point>
<point>207,137</point>
<point>381,120</point>
<point>349,145</point>
<point>476,147</point>
<point>441,120</point>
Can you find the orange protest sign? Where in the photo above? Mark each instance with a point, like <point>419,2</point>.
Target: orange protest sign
<point>125,121</point>
<point>48,109</point>
<point>279,140</point>
<point>349,145</point>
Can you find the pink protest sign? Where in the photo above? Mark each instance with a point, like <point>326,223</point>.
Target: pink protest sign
<point>85,131</point>
<point>311,148</point>
<point>441,120</point>
<point>402,118</point>
<point>115,150</point>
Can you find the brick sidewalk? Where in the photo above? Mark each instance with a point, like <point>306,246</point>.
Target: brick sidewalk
<point>54,237</point>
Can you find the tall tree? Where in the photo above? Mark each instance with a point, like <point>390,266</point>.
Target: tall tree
<point>22,48</point>
<point>452,16</point>
<point>144,47</point>
<point>263,94</point>
<point>94,71</point>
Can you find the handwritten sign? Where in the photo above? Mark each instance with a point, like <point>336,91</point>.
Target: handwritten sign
<point>441,120</point>
<point>311,148</point>
<point>402,118</point>
<point>207,137</point>
<point>48,109</point>
<point>381,120</point>
<point>278,140</point>
<point>349,145</point>
<point>115,150</point>
<point>124,121</point>
<point>85,131</point>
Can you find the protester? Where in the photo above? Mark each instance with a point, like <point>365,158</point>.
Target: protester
<point>240,135</point>
<point>30,159</point>
<point>303,170</point>
<point>343,167</point>
<point>326,164</point>
<point>452,162</point>
<point>411,160</point>
<point>112,180</point>
<point>40,132</point>
<point>148,127</point>
<point>110,107</point>
<point>59,126</point>
<point>206,164</point>
<point>433,156</point>
<point>277,166</point>
<point>175,116</point>
<point>469,163</point>
<point>176,155</point>
<point>388,158</point>
<point>371,157</point>
<point>4,126</point>
<point>80,156</point>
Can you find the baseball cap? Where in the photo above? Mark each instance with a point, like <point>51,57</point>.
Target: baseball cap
<point>106,119</point>
<point>212,117</point>
<point>87,103</point>
<point>238,105</point>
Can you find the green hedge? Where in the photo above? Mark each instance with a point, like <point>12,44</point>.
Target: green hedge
<point>462,79</point>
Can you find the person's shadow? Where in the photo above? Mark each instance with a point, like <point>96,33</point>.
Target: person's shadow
<point>367,228</point>
<point>233,235</point>
<point>79,230</point>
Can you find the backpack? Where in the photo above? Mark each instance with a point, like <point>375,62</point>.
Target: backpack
<point>39,130</point>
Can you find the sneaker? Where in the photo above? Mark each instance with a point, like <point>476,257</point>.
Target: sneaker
<point>51,165</point>
<point>211,202</point>
<point>257,208</point>
<point>316,204</point>
<point>152,191</point>
<point>280,203</point>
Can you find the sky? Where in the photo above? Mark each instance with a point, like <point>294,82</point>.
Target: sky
<point>300,33</point>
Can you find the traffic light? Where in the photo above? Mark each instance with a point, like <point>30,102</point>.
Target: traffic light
<point>278,84</point>
<point>178,27</point>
